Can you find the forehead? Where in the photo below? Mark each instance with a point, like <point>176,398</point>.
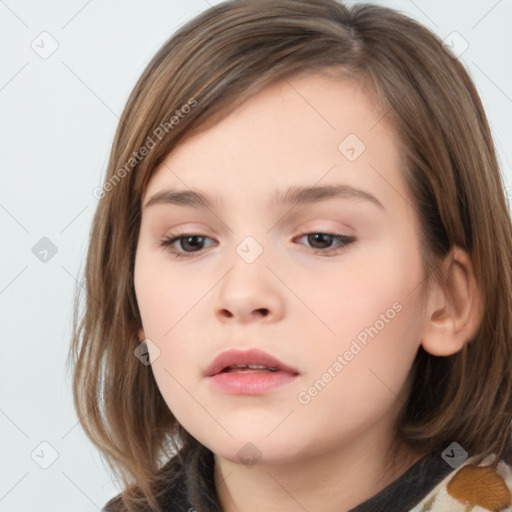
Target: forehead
<point>307,129</point>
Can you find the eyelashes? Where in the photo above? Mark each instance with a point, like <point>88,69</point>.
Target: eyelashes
<point>196,241</point>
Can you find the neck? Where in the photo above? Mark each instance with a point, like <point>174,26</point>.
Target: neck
<point>334,481</point>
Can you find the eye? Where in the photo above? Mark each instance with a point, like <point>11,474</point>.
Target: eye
<point>322,242</point>
<point>187,243</point>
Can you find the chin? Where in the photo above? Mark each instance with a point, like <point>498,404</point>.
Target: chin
<point>257,452</point>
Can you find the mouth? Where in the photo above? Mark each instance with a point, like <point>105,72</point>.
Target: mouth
<point>251,372</point>
<point>248,361</point>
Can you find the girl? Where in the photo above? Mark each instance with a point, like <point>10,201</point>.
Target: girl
<point>299,273</point>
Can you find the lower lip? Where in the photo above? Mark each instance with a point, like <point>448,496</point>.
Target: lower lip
<point>250,383</point>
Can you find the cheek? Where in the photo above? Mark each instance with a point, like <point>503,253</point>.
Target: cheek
<point>359,378</point>
<point>175,361</point>
<point>168,304</point>
<point>365,290</point>
<point>164,295</point>
<point>371,314</point>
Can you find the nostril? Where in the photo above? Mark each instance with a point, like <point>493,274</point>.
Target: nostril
<point>263,312</point>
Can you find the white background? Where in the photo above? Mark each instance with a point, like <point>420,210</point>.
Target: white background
<point>57,121</point>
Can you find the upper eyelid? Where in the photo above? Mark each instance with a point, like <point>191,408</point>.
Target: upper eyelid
<point>300,234</point>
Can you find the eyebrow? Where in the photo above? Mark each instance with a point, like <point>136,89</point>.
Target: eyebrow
<point>294,195</point>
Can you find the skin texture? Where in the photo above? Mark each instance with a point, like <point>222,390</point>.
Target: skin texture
<point>303,307</point>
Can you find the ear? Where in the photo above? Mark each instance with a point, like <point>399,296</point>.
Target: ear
<point>141,335</point>
<point>454,311</point>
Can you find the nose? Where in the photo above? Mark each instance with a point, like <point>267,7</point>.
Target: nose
<point>249,292</point>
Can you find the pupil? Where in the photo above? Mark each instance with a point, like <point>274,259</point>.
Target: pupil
<point>320,237</point>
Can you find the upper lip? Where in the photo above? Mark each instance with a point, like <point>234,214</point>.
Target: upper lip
<point>241,357</point>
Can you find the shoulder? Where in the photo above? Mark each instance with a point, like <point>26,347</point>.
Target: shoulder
<point>485,485</point>
<point>113,505</point>
<point>173,498</point>
<point>185,483</point>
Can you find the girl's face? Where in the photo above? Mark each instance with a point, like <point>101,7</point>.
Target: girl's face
<point>257,271</point>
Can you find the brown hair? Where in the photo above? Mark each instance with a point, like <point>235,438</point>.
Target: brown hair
<point>215,62</point>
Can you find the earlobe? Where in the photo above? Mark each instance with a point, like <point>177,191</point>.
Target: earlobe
<point>454,309</point>
<point>141,335</point>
